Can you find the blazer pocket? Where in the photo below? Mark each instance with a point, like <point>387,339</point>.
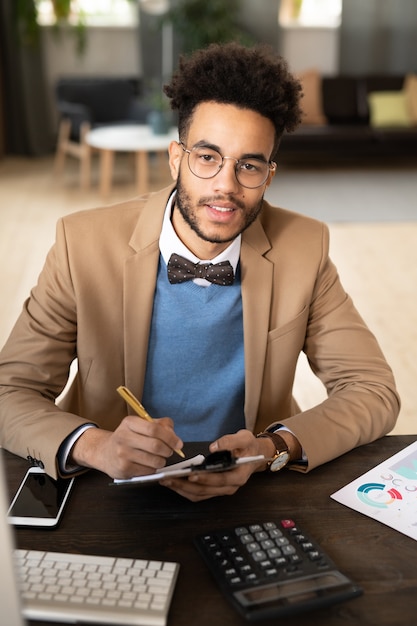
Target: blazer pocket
<point>300,321</point>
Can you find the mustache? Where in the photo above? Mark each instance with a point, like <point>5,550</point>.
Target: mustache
<point>214,199</point>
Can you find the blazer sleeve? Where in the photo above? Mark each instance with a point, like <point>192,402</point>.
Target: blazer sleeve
<point>362,402</point>
<point>35,364</point>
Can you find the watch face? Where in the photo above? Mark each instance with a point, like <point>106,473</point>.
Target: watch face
<point>280,462</point>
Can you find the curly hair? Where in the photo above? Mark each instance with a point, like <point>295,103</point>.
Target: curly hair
<point>250,78</point>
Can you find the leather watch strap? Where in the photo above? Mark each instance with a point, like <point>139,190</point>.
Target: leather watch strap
<point>281,449</point>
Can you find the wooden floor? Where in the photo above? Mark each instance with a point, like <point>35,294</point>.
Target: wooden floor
<point>377,262</point>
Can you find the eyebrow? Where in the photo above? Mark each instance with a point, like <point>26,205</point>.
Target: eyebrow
<point>250,155</point>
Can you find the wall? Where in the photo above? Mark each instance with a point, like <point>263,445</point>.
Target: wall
<point>311,47</point>
<point>379,36</point>
<point>111,51</point>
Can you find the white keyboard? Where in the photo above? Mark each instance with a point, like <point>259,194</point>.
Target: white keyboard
<point>105,590</point>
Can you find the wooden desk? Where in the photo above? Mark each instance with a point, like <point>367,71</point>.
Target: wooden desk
<point>153,522</point>
<point>136,138</point>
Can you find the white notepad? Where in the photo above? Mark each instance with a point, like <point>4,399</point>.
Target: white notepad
<point>185,468</point>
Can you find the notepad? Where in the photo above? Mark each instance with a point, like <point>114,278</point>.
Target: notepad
<point>388,492</point>
<point>221,461</point>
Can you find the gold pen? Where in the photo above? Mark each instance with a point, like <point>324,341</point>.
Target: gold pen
<point>137,406</point>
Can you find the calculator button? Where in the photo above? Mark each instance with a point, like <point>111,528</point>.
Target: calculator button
<point>239,559</point>
<point>245,569</point>
<point>246,538</point>
<point>271,571</point>
<point>295,559</point>
<point>287,523</point>
<point>252,547</point>
<point>274,553</point>
<point>252,578</point>
<point>255,528</point>
<point>261,536</point>
<point>227,539</point>
<point>230,572</point>
<point>282,541</point>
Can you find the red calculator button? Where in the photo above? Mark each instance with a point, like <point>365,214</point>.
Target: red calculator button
<point>287,523</point>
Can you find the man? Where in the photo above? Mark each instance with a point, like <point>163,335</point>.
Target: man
<point>218,358</point>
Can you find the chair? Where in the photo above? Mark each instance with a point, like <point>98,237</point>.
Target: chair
<point>84,103</point>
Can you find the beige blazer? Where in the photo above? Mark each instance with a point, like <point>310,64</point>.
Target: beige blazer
<point>93,302</point>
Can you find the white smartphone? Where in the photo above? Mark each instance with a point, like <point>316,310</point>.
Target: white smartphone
<point>40,499</point>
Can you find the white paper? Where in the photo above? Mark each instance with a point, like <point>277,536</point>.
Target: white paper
<point>387,493</point>
<point>183,468</point>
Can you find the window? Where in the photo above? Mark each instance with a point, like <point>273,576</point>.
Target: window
<point>93,12</point>
<point>310,12</point>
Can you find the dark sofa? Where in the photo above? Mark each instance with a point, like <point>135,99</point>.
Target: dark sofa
<point>347,131</point>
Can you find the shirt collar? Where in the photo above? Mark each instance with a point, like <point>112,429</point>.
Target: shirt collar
<point>169,242</point>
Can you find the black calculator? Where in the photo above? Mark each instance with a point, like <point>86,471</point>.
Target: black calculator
<point>272,569</point>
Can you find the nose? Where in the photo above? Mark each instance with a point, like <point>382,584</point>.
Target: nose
<point>226,181</point>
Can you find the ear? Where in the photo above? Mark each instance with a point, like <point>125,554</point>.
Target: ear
<point>270,177</point>
<point>175,153</point>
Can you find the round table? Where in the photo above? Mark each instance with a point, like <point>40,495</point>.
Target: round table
<point>137,138</point>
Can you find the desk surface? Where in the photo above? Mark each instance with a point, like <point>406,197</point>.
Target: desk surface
<point>153,522</point>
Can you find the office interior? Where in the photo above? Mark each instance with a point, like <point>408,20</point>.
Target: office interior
<point>369,203</point>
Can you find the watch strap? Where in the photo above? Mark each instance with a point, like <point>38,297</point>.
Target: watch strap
<point>279,443</point>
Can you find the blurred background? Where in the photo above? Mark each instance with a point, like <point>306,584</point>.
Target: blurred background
<point>351,164</point>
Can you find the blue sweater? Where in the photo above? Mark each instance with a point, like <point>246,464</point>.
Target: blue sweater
<point>195,365</point>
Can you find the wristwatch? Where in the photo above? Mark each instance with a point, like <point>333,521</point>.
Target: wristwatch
<point>282,453</point>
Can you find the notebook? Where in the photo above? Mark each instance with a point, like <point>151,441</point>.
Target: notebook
<point>64,587</point>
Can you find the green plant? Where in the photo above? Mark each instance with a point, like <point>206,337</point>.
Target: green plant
<point>201,22</point>
<point>27,20</point>
<point>157,99</point>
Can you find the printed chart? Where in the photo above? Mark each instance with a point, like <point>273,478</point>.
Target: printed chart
<point>388,492</point>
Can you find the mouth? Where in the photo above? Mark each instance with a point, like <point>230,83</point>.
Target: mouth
<point>223,213</point>
<point>221,209</point>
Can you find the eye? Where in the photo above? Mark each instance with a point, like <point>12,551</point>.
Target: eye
<point>205,156</point>
<point>252,167</point>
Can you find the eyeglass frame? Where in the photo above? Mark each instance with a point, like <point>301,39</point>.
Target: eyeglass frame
<point>272,166</point>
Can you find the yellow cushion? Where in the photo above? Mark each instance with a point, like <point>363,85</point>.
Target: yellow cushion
<point>410,90</point>
<point>311,103</point>
<point>388,108</point>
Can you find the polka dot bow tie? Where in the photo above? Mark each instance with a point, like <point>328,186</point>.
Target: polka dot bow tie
<point>180,270</point>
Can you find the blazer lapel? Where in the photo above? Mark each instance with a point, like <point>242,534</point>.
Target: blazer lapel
<point>257,277</point>
<point>140,274</point>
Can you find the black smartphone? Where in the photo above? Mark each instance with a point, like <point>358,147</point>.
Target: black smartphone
<point>40,500</point>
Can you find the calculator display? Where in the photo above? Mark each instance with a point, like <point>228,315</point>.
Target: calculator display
<point>291,591</point>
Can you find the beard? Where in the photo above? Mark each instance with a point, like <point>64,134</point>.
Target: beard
<point>189,214</point>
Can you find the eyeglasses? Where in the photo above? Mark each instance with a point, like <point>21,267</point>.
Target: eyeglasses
<point>205,162</point>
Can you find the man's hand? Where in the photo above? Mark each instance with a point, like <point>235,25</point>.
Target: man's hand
<point>135,448</point>
<point>208,485</point>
